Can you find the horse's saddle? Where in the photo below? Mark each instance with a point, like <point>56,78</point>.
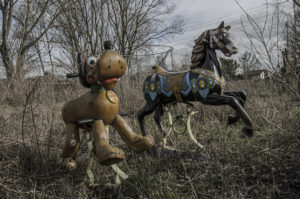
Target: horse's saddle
<point>161,71</point>
<point>181,83</point>
<point>170,83</point>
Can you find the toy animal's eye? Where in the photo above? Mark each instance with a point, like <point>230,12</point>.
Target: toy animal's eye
<point>91,61</point>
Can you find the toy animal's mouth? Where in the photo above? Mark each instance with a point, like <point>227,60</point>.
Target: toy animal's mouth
<point>114,79</point>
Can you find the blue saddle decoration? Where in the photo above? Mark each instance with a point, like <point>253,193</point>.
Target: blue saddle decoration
<point>204,93</point>
<point>186,85</point>
<point>199,83</point>
<point>203,89</point>
<point>152,90</point>
<point>153,95</point>
<point>164,86</point>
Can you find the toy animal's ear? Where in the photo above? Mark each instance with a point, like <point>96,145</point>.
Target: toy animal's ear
<point>221,25</point>
<point>107,45</point>
<point>81,72</point>
<point>227,27</point>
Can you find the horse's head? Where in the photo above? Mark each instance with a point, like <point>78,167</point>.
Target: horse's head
<point>219,40</point>
<point>110,67</point>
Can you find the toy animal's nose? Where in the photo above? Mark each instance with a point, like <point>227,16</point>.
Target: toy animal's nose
<point>110,67</point>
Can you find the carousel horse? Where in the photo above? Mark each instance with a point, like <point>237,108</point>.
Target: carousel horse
<point>204,82</point>
<point>97,109</point>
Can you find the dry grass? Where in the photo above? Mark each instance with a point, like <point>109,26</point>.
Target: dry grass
<point>265,166</point>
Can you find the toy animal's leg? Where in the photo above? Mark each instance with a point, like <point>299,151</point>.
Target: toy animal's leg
<point>157,117</point>
<point>233,102</point>
<point>136,142</point>
<point>146,110</point>
<point>71,147</point>
<point>241,96</point>
<point>89,172</point>
<point>106,154</point>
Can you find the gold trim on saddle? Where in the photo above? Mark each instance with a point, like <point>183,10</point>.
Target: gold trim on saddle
<point>161,71</point>
<point>207,73</point>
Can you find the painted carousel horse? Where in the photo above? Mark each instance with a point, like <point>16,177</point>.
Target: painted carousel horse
<point>203,82</point>
<point>97,109</point>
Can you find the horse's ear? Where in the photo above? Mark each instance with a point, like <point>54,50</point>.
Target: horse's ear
<point>227,27</point>
<point>221,25</point>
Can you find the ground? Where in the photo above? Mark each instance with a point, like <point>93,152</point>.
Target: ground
<point>231,165</point>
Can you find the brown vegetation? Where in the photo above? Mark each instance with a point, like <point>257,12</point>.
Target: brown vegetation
<point>232,166</point>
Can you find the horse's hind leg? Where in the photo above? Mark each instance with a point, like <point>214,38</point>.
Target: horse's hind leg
<point>157,117</point>
<point>146,110</point>
<point>241,96</point>
<point>233,102</point>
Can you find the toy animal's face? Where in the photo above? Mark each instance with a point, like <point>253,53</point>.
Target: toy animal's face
<point>110,67</point>
<point>90,69</point>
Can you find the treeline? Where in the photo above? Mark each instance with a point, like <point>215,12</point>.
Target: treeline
<point>38,35</point>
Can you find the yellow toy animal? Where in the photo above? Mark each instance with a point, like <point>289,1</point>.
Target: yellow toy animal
<point>98,108</point>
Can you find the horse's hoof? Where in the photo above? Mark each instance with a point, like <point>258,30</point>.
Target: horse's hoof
<point>247,131</point>
<point>153,151</point>
<point>231,119</point>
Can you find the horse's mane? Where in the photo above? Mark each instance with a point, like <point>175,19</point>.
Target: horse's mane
<point>198,52</point>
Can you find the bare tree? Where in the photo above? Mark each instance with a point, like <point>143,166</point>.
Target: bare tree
<point>135,23</point>
<point>130,24</point>
<point>23,24</point>
<point>249,62</point>
<point>297,2</point>
<point>291,54</point>
<point>264,38</point>
<point>268,39</point>
<point>82,28</point>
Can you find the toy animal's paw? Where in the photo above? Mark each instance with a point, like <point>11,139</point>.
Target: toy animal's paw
<point>149,141</point>
<point>109,155</point>
<point>143,143</point>
<point>231,119</point>
<point>247,131</point>
<point>67,164</point>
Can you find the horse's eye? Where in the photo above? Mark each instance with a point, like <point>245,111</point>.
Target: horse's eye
<point>91,61</point>
<point>221,36</point>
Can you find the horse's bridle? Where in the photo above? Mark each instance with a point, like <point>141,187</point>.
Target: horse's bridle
<point>211,37</point>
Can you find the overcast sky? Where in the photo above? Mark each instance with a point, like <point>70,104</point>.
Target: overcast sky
<point>200,15</point>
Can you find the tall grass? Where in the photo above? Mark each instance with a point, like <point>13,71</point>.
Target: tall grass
<point>231,166</point>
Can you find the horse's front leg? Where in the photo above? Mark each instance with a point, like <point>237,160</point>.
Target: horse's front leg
<point>134,141</point>
<point>241,96</point>
<point>233,102</point>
